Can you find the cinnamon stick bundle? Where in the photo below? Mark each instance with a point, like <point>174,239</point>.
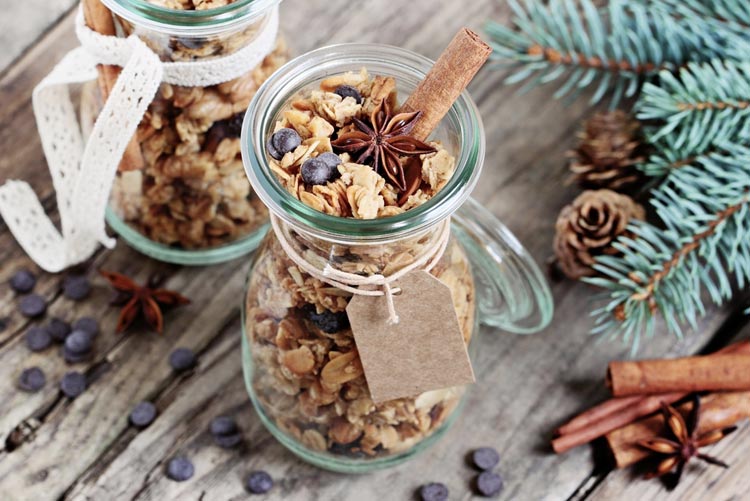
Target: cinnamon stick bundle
<point>620,411</point>
<point>447,79</point>
<point>688,374</point>
<point>99,18</point>
<point>718,411</point>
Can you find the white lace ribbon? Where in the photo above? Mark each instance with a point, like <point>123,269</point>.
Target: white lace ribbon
<point>83,171</point>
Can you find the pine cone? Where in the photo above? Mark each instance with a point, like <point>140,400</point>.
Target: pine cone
<point>610,148</point>
<point>587,227</point>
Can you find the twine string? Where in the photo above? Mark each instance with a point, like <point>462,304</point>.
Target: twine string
<point>358,284</point>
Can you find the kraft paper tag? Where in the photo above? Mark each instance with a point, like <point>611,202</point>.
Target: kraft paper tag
<point>424,351</point>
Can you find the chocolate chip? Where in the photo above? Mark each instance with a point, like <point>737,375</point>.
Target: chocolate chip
<point>434,491</point>
<point>58,329</point>
<point>328,321</point>
<point>87,324</point>
<point>73,384</point>
<point>283,141</point>
<point>489,484</point>
<point>22,281</point>
<point>348,91</point>
<point>143,414</point>
<point>223,425</point>
<point>228,441</point>
<point>331,159</point>
<point>180,469</point>
<point>74,358</point>
<point>485,458</point>
<point>258,482</point>
<point>32,379</point>
<point>182,359</point>
<point>79,342</point>
<point>38,339</point>
<point>76,287</point>
<point>33,305</point>
<point>315,171</point>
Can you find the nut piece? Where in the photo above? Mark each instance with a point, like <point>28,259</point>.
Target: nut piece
<point>342,369</point>
<point>299,361</point>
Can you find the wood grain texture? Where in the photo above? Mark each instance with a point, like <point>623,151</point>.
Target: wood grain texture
<point>84,449</point>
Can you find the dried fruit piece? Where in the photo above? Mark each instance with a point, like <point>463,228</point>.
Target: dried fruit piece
<point>23,281</point>
<point>143,414</point>
<point>73,384</point>
<point>258,482</point>
<point>180,469</point>
<point>348,91</point>
<point>32,379</point>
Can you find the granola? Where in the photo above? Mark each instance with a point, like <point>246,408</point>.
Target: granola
<point>193,192</point>
<point>307,376</point>
<point>379,171</point>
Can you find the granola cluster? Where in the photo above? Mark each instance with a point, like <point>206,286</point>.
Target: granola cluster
<point>360,187</point>
<point>308,377</point>
<point>193,192</point>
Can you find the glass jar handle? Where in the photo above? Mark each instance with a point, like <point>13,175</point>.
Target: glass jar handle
<point>512,293</point>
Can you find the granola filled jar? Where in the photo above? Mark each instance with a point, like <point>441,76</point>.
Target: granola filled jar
<point>188,201</point>
<point>301,363</point>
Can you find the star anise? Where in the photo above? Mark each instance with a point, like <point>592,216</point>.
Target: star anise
<point>384,141</point>
<point>146,300</point>
<point>684,443</point>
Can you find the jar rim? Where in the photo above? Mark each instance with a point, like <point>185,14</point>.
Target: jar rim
<point>311,67</point>
<point>197,23</point>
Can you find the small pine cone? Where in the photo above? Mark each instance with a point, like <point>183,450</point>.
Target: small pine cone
<point>587,227</point>
<point>609,150</point>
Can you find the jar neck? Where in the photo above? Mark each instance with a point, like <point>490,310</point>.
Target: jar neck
<point>191,23</point>
<point>461,132</point>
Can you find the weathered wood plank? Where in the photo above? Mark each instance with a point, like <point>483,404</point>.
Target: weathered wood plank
<point>86,443</point>
<point>21,27</point>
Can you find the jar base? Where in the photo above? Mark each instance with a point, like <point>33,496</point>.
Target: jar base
<point>185,257</point>
<point>327,461</point>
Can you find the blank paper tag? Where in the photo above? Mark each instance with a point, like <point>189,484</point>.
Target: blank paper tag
<point>424,351</point>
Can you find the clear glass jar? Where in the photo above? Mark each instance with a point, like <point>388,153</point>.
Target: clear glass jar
<point>191,202</point>
<point>301,366</point>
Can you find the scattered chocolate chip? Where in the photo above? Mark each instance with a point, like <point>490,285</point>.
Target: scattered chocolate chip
<point>282,142</point>
<point>143,414</point>
<point>38,339</point>
<point>328,321</point>
<point>348,91</point>
<point>22,281</point>
<point>228,441</point>
<point>76,287</point>
<point>434,491</point>
<point>58,329</point>
<point>32,379</point>
<point>315,171</point>
<point>222,425</point>
<point>180,469</point>
<point>485,458</point>
<point>73,384</point>
<point>74,358</point>
<point>258,482</point>
<point>489,484</point>
<point>87,324</point>
<point>182,359</point>
<point>33,305</point>
<point>77,345</point>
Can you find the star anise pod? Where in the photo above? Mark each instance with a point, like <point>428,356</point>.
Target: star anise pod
<point>146,300</point>
<point>684,443</point>
<point>384,141</point>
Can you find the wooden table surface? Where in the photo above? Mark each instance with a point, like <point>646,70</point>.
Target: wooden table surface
<point>84,449</point>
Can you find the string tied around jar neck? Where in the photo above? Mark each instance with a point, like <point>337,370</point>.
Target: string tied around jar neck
<point>359,284</point>
<point>82,170</point>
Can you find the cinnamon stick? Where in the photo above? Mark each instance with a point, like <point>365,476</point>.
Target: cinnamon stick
<point>718,411</point>
<point>617,412</point>
<point>688,374</point>
<point>447,79</point>
<point>99,18</point>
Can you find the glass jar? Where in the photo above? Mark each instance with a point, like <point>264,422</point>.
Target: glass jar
<point>300,359</point>
<point>191,202</point>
